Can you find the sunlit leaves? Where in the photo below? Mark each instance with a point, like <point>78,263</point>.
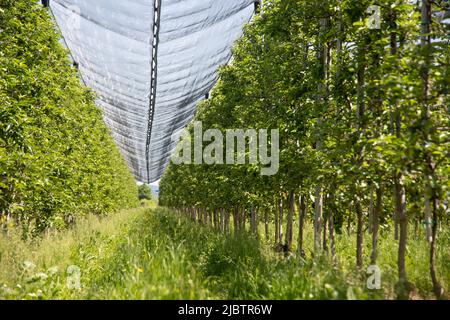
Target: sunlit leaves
<point>56,156</point>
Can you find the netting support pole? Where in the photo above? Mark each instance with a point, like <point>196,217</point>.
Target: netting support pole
<point>45,3</point>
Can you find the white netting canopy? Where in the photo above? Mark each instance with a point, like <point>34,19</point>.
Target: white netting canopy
<point>150,62</point>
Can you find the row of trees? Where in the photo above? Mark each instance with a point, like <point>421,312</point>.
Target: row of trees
<point>360,91</point>
<point>57,158</point>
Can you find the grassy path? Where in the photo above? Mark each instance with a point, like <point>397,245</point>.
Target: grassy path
<point>149,253</point>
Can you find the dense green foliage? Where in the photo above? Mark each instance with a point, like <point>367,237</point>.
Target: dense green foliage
<point>155,254</point>
<point>145,192</point>
<point>57,159</point>
<point>364,125</point>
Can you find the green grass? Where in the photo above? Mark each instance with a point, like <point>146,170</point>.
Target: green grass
<point>151,253</point>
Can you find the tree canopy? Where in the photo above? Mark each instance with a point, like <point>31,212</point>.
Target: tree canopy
<point>57,159</point>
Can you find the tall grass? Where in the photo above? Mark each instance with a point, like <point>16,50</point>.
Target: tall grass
<point>154,254</point>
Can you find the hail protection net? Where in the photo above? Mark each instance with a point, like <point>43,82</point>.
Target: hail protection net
<point>150,62</point>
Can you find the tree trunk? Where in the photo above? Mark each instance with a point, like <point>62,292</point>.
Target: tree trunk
<point>428,220</point>
<point>371,209</point>
<point>227,221</point>
<point>396,226</point>
<point>277,224</point>
<point>376,224</point>
<point>437,287</point>
<point>236,220</point>
<point>359,234</point>
<point>403,286</point>
<point>280,221</point>
<point>222,220</point>
<point>290,218</point>
<point>332,241</point>
<point>339,58</point>
<point>318,219</point>
<point>349,220</point>
<point>257,222</point>
<point>211,218</point>
<point>216,219</point>
<point>301,221</point>
<point>322,94</point>
<point>254,220</point>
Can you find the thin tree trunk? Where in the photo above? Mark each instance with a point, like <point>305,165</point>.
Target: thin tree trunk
<point>428,219</point>
<point>290,218</point>
<point>376,224</point>
<point>359,234</point>
<point>403,286</point>
<point>254,222</point>
<point>236,220</point>
<point>257,222</point>
<point>322,90</point>
<point>332,241</point>
<point>301,221</point>
<point>371,209</point>
<point>437,287</point>
<point>396,226</point>
<point>318,219</point>
<point>339,57</point>
<point>349,218</point>
<point>277,224</point>
<point>252,219</point>
<point>216,219</point>
<point>211,218</point>
<point>280,227</point>
<point>222,220</point>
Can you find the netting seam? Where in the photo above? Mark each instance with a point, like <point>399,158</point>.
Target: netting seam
<point>153,80</point>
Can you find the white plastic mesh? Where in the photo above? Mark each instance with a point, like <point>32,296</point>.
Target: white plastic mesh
<point>111,41</point>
